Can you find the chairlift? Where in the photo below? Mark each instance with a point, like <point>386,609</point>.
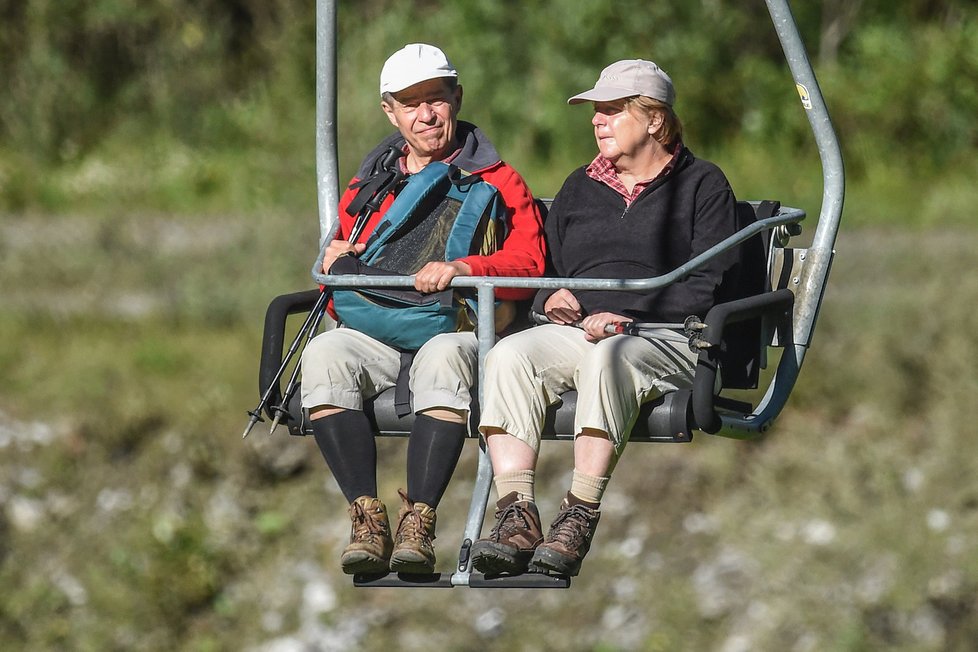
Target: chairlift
<point>787,308</point>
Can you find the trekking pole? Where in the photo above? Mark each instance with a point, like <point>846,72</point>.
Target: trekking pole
<point>388,164</point>
<point>281,409</point>
<point>688,330</point>
<point>255,415</point>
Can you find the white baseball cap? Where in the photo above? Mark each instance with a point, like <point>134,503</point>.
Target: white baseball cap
<point>415,62</point>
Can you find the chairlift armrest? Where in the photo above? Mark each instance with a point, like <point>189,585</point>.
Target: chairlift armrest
<point>273,336</point>
<point>704,404</point>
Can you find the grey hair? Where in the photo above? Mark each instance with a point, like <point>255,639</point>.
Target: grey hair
<point>451,83</point>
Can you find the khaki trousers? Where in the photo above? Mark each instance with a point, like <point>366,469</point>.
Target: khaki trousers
<point>342,367</point>
<point>528,371</point>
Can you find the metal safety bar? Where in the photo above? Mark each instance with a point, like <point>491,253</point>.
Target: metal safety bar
<point>808,294</point>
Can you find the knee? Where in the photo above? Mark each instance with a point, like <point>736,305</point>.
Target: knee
<point>604,354</point>
<point>443,362</point>
<point>321,353</point>
<point>506,358</point>
<point>508,361</point>
<point>450,348</point>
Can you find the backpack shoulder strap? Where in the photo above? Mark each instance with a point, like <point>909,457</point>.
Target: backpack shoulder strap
<point>482,207</point>
<point>385,175</point>
<point>433,178</point>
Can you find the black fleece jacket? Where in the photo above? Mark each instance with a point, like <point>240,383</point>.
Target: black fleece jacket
<point>591,234</point>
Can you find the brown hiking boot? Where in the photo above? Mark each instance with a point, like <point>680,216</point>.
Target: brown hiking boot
<point>568,540</point>
<point>413,552</point>
<point>370,538</point>
<point>510,545</point>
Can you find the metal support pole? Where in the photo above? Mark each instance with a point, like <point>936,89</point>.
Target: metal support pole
<point>483,476</point>
<point>327,168</point>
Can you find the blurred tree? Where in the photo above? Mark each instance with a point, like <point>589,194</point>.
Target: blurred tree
<point>225,75</point>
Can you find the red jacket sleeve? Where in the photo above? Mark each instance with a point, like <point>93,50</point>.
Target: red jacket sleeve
<point>523,251</point>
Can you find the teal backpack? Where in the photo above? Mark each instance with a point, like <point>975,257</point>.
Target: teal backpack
<point>441,213</point>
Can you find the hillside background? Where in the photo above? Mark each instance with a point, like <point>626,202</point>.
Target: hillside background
<point>157,189</point>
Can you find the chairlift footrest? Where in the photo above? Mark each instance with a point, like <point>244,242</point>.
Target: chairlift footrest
<point>523,581</point>
<point>393,580</point>
<point>476,581</point>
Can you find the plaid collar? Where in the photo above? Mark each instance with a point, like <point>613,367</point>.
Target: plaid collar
<point>602,170</point>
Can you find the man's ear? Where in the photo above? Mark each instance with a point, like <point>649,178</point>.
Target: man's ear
<point>389,110</point>
<point>458,98</point>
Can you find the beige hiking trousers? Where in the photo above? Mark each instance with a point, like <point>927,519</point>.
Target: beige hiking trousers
<point>528,371</point>
<point>342,367</point>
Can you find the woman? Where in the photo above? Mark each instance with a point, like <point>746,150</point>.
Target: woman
<point>644,206</point>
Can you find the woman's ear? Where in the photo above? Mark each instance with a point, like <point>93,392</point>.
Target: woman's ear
<point>656,121</point>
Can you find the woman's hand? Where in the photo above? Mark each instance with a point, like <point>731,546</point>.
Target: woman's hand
<point>435,276</point>
<point>337,248</point>
<point>562,307</point>
<point>595,324</point>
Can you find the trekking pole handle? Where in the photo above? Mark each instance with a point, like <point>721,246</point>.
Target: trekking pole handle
<point>625,327</point>
<point>648,330</point>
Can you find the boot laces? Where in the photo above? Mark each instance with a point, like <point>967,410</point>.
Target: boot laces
<point>510,521</point>
<point>412,528</point>
<point>365,526</point>
<point>571,526</point>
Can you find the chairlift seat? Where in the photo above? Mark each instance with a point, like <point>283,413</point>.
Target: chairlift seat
<point>740,330</point>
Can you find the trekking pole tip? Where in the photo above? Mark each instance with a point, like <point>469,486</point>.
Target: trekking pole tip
<point>255,418</point>
<point>275,421</point>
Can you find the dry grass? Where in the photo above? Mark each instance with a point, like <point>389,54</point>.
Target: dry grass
<point>135,518</point>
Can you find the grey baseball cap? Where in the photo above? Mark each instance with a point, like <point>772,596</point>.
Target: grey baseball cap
<point>628,78</point>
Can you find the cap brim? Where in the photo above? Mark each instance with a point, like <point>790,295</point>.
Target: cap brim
<point>603,94</point>
<point>400,85</point>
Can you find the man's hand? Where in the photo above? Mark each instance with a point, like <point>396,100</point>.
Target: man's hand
<point>594,325</point>
<point>435,276</point>
<point>338,248</point>
<point>562,307</point>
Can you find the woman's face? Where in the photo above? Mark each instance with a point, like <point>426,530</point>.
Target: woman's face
<point>620,132</point>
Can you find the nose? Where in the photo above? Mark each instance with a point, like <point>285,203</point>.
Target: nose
<point>425,112</point>
<point>598,119</point>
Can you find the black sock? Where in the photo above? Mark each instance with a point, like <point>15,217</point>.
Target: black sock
<point>433,452</point>
<point>346,440</point>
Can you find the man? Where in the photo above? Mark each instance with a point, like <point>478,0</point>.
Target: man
<point>421,97</point>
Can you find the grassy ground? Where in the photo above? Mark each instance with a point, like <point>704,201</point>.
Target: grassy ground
<point>134,518</point>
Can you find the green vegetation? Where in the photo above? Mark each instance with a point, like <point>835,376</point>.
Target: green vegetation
<point>157,189</point>
<point>207,107</point>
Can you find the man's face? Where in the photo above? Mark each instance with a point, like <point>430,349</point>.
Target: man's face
<point>426,115</point>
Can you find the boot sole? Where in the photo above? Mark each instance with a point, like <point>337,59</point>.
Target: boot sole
<point>491,558</point>
<point>554,563</point>
<point>364,565</point>
<point>411,564</point>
